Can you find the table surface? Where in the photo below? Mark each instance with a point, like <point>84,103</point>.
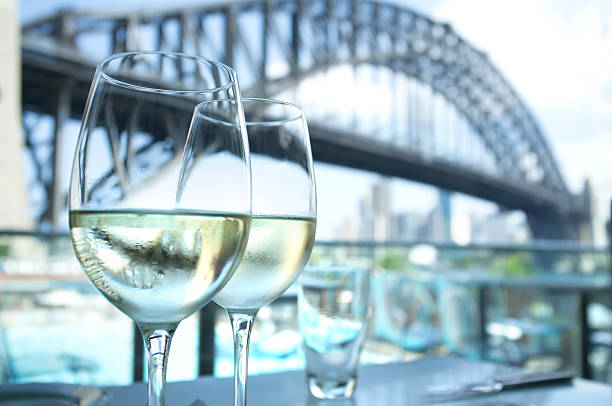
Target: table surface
<point>389,384</point>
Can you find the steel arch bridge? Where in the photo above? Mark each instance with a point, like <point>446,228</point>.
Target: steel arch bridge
<point>282,46</point>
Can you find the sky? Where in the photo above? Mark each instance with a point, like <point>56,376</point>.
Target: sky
<point>557,54</point>
<point>560,61</point>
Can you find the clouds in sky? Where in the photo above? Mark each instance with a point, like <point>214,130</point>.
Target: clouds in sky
<point>558,55</point>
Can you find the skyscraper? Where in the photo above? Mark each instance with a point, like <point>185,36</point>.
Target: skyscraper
<point>375,212</point>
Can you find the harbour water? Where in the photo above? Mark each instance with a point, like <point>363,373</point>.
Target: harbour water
<point>73,335</point>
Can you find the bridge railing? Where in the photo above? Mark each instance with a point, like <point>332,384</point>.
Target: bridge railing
<point>545,304</point>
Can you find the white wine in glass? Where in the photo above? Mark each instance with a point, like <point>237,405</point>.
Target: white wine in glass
<point>277,251</point>
<point>135,258</point>
<point>160,200</point>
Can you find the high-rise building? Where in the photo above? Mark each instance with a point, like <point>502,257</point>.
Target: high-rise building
<point>436,225</point>
<point>405,225</point>
<point>375,212</point>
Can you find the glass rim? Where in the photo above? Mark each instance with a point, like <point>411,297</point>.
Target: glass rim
<point>100,68</point>
<point>269,123</point>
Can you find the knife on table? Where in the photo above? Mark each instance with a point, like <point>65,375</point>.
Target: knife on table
<point>495,385</point>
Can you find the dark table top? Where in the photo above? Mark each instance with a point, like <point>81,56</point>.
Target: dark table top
<point>397,384</point>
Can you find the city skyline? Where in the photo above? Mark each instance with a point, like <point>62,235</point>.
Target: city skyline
<point>379,221</point>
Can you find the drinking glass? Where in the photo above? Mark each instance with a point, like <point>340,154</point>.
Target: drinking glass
<point>284,220</point>
<point>160,195</point>
<point>333,308</point>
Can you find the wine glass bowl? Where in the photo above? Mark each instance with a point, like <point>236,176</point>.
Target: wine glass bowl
<point>284,219</point>
<point>157,267</point>
<point>160,205</point>
<point>284,206</point>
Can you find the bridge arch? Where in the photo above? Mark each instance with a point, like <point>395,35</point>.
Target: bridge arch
<point>276,44</point>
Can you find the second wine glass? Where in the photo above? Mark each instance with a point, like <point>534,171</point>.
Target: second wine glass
<point>284,220</point>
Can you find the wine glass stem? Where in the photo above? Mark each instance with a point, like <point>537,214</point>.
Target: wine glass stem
<point>158,347</point>
<point>242,323</point>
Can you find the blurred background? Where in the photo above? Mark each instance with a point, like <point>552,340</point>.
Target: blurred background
<point>462,154</point>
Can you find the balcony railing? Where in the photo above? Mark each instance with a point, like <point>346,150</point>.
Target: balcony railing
<point>544,305</point>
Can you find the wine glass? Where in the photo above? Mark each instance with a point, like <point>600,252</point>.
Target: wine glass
<point>160,196</point>
<point>283,225</point>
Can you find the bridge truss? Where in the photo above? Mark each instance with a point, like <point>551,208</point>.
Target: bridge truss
<point>420,69</point>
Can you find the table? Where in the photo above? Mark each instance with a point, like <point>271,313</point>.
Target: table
<point>397,384</point>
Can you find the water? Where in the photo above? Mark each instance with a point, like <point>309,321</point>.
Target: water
<point>69,340</point>
<point>332,344</point>
<point>45,342</point>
